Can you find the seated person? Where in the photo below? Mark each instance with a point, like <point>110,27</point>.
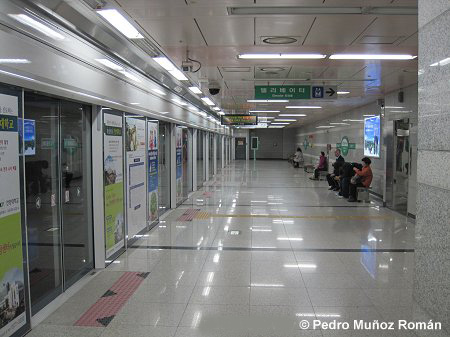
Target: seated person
<point>298,158</point>
<point>345,174</point>
<point>322,166</point>
<point>331,178</point>
<point>365,180</point>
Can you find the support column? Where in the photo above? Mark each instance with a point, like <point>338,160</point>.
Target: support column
<point>173,166</point>
<point>432,248</point>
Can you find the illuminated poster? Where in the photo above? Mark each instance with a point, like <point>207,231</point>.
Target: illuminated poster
<point>372,137</point>
<point>152,129</point>
<point>136,177</point>
<point>12,287</point>
<point>29,135</point>
<point>179,156</point>
<point>113,183</point>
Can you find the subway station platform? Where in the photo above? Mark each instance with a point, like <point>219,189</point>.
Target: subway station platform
<point>261,251</point>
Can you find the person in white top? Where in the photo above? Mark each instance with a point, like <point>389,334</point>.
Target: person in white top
<point>298,158</point>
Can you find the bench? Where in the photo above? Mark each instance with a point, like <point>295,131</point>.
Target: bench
<point>308,168</point>
<point>363,194</point>
<point>323,175</point>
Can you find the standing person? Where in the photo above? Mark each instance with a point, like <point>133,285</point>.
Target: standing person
<point>334,185</point>
<point>366,178</point>
<point>322,166</point>
<point>298,157</point>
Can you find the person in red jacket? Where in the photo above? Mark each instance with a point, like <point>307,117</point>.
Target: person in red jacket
<point>365,178</point>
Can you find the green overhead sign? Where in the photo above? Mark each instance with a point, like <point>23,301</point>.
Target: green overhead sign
<point>283,92</point>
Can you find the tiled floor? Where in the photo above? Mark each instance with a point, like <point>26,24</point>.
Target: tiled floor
<point>268,251</point>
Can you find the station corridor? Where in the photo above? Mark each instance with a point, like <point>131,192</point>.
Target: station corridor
<point>257,252</point>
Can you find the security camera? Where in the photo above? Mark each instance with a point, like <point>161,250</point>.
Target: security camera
<point>214,88</point>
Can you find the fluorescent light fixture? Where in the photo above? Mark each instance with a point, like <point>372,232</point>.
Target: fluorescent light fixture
<point>325,127</point>
<point>267,101</point>
<point>276,126</point>
<point>120,23</point>
<point>303,107</point>
<point>130,76</point>
<point>14,61</point>
<point>208,101</point>
<point>170,67</point>
<point>367,116</point>
<point>265,117</point>
<point>159,92</point>
<point>221,113</point>
<point>280,56</point>
<point>195,90</point>
<point>163,112</point>
<point>216,108</point>
<point>343,92</point>
<point>110,64</point>
<point>30,22</point>
<point>178,74</point>
<point>372,57</point>
<point>339,124</point>
<point>291,115</point>
<point>263,111</point>
<point>135,103</point>
<point>441,62</point>
<point>285,120</point>
<point>394,107</point>
<point>353,120</point>
<point>279,123</point>
<point>178,101</point>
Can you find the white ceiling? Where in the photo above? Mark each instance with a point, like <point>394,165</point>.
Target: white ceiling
<point>215,39</point>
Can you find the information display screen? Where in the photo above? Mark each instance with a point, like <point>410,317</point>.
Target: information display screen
<point>239,120</point>
<point>372,133</point>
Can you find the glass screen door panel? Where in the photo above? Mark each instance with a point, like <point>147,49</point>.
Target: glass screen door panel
<point>75,145</point>
<point>42,198</point>
<point>164,167</point>
<point>200,168</point>
<point>211,155</point>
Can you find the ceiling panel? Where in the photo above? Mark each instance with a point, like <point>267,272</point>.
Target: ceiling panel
<point>283,26</point>
<point>340,30</point>
<point>174,31</point>
<point>227,31</point>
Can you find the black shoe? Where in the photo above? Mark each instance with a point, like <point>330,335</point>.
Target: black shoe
<point>331,189</point>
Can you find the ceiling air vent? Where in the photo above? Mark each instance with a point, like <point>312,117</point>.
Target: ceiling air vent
<point>280,39</point>
<point>371,39</point>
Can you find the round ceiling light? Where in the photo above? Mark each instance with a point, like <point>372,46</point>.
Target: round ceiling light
<point>280,40</point>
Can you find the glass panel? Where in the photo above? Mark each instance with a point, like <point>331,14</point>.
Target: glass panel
<point>187,168</point>
<point>75,142</point>
<point>200,169</point>
<point>42,190</point>
<point>219,153</point>
<point>164,167</point>
<point>211,155</point>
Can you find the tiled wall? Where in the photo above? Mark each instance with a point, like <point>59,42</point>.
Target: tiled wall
<point>432,283</point>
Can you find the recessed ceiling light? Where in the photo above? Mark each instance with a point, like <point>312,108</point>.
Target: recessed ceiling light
<point>14,61</point>
<point>30,22</point>
<point>367,116</point>
<point>343,92</point>
<point>208,101</point>
<point>292,115</point>
<point>339,124</point>
<point>394,107</point>
<point>280,56</point>
<point>267,101</point>
<point>285,120</point>
<point>216,108</point>
<point>353,120</point>
<point>178,101</point>
<point>163,112</point>
<point>278,123</point>
<point>170,67</point>
<point>268,111</point>
<point>120,23</point>
<point>303,107</point>
<point>264,117</point>
<point>110,64</point>
<point>130,75</point>
<point>371,57</point>
<point>159,92</point>
<point>195,90</point>
<point>134,103</point>
<point>276,126</point>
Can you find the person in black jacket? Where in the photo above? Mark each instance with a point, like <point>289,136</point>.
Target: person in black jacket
<point>346,174</point>
<point>334,185</point>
